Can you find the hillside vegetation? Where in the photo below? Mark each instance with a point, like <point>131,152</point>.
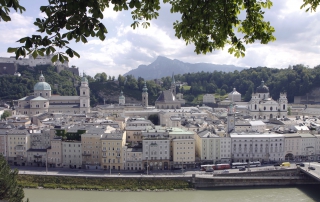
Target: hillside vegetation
<point>295,81</point>
<point>13,87</point>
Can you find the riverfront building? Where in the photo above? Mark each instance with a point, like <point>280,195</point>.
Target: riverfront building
<point>257,147</point>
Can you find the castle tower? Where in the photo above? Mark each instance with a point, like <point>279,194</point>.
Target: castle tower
<point>84,96</point>
<point>145,95</point>
<point>230,119</point>
<point>173,85</point>
<point>122,99</point>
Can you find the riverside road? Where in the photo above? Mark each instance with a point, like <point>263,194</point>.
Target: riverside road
<point>122,173</point>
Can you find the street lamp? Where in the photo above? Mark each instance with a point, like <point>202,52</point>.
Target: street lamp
<point>147,160</point>
<point>47,164</point>
<point>181,164</point>
<point>110,165</point>
<point>310,159</point>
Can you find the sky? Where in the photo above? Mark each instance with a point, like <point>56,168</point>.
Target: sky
<point>297,33</point>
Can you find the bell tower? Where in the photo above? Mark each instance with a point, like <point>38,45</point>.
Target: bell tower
<point>145,95</point>
<point>173,85</point>
<point>84,96</point>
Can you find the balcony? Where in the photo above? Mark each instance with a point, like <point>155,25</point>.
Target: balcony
<point>118,157</point>
<point>86,154</point>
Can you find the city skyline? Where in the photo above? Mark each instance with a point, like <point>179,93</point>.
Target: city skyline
<point>125,49</point>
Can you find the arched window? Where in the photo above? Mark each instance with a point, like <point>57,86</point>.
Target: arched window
<point>271,108</point>
<point>284,106</point>
<point>255,107</point>
<point>264,108</point>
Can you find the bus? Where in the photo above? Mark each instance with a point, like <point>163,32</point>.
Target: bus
<point>207,168</point>
<point>245,164</point>
<point>212,167</point>
<point>222,166</point>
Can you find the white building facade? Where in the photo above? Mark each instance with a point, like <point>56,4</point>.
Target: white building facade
<point>262,106</point>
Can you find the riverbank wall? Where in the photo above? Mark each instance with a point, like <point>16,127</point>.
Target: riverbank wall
<point>261,178</point>
<point>281,177</point>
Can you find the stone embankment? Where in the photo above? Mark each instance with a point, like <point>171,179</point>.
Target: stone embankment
<point>285,177</point>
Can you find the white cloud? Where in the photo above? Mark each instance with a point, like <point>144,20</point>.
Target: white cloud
<point>297,33</point>
<point>19,26</point>
<point>109,13</point>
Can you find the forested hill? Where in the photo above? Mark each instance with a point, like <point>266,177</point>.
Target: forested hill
<point>13,87</point>
<point>296,80</point>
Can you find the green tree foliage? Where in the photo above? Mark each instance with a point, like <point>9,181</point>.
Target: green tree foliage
<point>295,81</point>
<point>103,77</point>
<point>5,115</point>
<point>13,87</point>
<point>9,189</point>
<point>289,111</point>
<point>209,25</point>
<point>97,77</point>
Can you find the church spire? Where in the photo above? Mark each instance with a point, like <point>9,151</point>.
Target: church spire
<point>145,89</point>
<point>41,78</point>
<point>173,80</point>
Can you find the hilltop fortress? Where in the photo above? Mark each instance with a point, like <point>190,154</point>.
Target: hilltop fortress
<point>10,65</point>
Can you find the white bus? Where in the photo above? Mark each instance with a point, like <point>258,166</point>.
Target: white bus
<point>245,164</point>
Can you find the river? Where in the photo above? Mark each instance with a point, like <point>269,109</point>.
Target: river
<point>248,194</point>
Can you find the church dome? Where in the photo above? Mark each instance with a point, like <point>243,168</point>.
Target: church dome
<point>121,96</point>
<point>42,86</point>
<point>84,79</point>
<point>262,88</point>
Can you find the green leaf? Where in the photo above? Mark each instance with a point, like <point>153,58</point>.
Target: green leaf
<point>76,54</point>
<point>54,58</point>
<point>35,54</point>
<point>83,39</point>
<point>12,50</point>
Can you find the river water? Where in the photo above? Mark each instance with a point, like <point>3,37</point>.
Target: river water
<point>248,194</point>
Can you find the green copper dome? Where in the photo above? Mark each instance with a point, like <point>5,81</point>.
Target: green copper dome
<point>121,95</point>
<point>84,79</point>
<point>145,89</point>
<point>42,86</point>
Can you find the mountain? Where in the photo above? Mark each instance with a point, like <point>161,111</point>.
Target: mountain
<point>163,67</point>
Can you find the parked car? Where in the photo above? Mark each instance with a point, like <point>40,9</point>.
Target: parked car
<point>277,164</point>
<point>242,169</point>
<point>311,168</point>
<point>301,164</point>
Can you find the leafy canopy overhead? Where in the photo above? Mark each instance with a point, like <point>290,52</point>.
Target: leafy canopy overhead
<point>208,24</point>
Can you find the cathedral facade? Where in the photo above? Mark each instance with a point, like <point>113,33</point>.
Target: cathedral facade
<point>262,106</point>
<point>42,101</point>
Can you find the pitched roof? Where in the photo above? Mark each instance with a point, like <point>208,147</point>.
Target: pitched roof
<point>166,96</point>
